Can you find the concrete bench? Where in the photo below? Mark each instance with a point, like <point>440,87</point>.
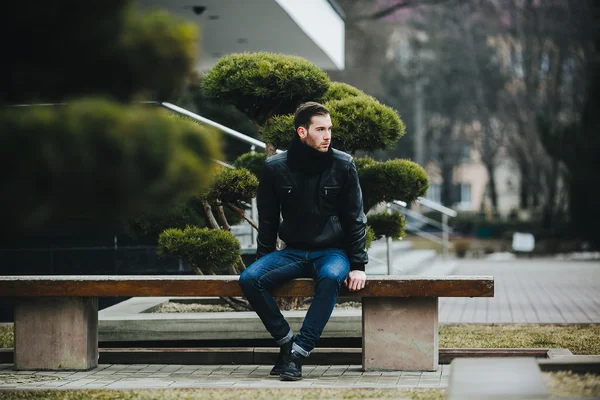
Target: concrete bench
<point>56,317</point>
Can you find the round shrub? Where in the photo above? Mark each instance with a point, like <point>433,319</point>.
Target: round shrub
<point>359,123</point>
<point>362,123</point>
<point>340,91</point>
<point>254,163</point>
<point>363,162</point>
<point>370,236</point>
<point>279,131</point>
<point>100,159</point>
<point>388,225</point>
<point>392,180</point>
<point>264,84</point>
<point>210,250</point>
<point>233,185</point>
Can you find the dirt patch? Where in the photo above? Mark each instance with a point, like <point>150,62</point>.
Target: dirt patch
<point>175,307</point>
<point>21,379</point>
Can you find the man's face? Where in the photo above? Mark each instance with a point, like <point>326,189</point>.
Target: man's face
<point>318,135</point>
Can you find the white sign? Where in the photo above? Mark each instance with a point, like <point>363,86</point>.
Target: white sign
<point>523,242</point>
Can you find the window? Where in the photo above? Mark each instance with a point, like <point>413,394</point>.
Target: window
<point>434,193</point>
<point>465,154</point>
<point>465,195</point>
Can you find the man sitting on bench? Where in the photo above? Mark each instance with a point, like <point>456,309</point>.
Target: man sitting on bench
<point>323,224</point>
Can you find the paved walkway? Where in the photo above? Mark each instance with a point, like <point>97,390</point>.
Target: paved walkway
<point>529,291</point>
<point>156,376</point>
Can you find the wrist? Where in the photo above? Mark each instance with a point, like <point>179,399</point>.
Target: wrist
<point>357,266</point>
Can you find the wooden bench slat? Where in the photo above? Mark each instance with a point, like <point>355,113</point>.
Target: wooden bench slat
<point>226,285</point>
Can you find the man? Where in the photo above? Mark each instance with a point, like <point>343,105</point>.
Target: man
<point>323,225</point>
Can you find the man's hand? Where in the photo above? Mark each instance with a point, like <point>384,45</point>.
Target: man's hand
<point>355,280</point>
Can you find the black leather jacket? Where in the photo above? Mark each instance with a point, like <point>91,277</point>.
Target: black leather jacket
<point>318,211</point>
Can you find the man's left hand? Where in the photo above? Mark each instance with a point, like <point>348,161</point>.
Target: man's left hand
<point>355,280</point>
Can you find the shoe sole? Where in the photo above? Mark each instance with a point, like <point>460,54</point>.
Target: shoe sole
<point>290,378</point>
<point>273,373</point>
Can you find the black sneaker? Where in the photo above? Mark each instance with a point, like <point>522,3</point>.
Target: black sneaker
<point>292,371</point>
<point>282,358</point>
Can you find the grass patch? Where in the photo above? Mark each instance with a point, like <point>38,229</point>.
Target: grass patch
<point>6,336</point>
<point>568,384</point>
<point>227,394</point>
<point>580,339</point>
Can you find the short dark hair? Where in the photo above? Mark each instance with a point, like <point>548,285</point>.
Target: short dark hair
<point>306,111</point>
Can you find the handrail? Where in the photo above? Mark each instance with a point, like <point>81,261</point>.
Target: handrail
<point>420,216</point>
<point>437,207</point>
<point>223,128</point>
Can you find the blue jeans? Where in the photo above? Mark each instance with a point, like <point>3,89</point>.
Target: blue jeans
<point>329,268</point>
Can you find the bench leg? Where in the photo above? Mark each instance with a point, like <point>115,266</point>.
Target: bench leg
<point>400,334</point>
<point>56,333</point>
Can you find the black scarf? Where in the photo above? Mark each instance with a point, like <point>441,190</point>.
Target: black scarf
<point>305,159</point>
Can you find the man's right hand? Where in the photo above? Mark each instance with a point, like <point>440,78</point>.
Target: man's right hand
<point>356,280</point>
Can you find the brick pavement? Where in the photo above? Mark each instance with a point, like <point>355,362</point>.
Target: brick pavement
<point>157,376</point>
<point>529,291</point>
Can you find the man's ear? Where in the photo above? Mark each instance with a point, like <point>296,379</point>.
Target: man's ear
<point>301,132</point>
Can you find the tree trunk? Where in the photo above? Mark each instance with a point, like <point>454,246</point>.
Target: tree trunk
<point>523,190</point>
<point>223,218</point>
<point>209,214</point>
<point>492,186</point>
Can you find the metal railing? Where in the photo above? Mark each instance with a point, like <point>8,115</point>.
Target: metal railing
<point>446,213</point>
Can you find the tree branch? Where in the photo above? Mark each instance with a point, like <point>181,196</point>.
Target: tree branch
<point>392,9</point>
<point>243,214</point>
<point>223,218</point>
<point>209,214</point>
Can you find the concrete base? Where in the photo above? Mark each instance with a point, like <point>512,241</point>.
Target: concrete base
<point>400,334</point>
<point>56,333</point>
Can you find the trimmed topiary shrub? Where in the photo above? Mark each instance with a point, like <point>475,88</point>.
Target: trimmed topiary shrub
<point>364,162</point>
<point>340,91</point>
<point>279,131</point>
<point>207,250</point>
<point>359,123</point>
<point>98,158</point>
<point>388,225</point>
<point>232,186</point>
<point>254,163</point>
<point>263,84</point>
<point>362,123</point>
<point>391,180</point>
<point>370,236</point>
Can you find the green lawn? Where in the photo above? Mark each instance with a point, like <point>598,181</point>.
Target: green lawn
<point>580,339</point>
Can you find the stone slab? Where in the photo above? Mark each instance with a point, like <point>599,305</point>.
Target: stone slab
<point>496,379</point>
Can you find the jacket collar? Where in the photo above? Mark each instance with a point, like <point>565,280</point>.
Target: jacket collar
<point>305,159</point>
